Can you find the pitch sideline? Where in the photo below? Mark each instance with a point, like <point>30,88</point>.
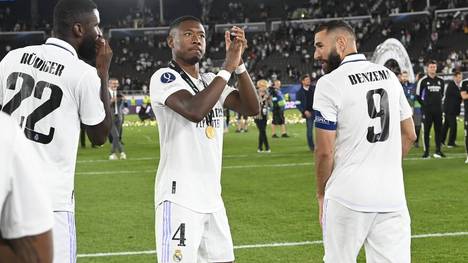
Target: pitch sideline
<point>285,244</point>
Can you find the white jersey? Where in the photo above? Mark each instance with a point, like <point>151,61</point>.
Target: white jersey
<point>25,208</point>
<point>49,90</point>
<point>189,171</point>
<point>364,103</point>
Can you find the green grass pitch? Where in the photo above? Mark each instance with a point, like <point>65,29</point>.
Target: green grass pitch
<point>269,199</point>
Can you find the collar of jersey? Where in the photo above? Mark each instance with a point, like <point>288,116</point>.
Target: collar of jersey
<point>353,58</point>
<point>61,44</point>
<point>194,79</point>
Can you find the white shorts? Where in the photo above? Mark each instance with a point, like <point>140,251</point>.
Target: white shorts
<point>385,236</point>
<point>64,237</point>
<point>183,235</point>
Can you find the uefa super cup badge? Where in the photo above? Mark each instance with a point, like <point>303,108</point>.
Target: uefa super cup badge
<point>177,256</point>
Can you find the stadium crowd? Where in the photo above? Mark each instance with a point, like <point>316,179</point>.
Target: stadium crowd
<point>285,53</point>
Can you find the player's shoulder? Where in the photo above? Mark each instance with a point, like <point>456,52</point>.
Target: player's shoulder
<point>164,75</point>
<point>421,80</point>
<point>16,54</point>
<point>464,82</point>
<point>331,79</point>
<point>82,66</point>
<point>464,85</point>
<point>377,67</point>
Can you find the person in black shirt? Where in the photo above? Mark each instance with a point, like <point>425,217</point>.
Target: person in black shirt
<point>305,95</point>
<point>464,95</point>
<point>277,110</point>
<point>452,101</point>
<point>429,92</point>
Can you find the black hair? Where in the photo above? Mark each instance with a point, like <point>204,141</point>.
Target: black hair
<point>431,61</point>
<point>178,21</point>
<point>68,12</point>
<point>303,77</point>
<point>334,25</point>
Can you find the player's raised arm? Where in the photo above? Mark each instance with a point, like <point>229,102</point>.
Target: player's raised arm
<point>245,100</point>
<point>98,133</point>
<point>187,41</point>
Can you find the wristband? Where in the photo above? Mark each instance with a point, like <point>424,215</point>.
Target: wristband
<point>224,74</point>
<point>240,69</point>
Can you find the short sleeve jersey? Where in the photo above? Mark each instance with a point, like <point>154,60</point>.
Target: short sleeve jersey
<point>49,91</point>
<point>189,170</point>
<point>364,103</point>
<point>25,208</point>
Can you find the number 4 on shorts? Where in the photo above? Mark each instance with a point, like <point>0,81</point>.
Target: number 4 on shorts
<point>181,233</point>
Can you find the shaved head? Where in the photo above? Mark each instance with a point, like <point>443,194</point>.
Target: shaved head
<point>176,23</point>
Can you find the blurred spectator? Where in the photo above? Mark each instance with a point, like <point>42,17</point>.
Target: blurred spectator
<point>305,96</point>
<point>410,93</point>
<point>452,108</point>
<point>278,103</point>
<point>262,118</point>
<point>117,103</point>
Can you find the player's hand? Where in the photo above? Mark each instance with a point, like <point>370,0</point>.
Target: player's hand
<point>308,114</point>
<point>233,52</point>
<point>236,33</point>
<point>103,56</point>
<point>320,205</point>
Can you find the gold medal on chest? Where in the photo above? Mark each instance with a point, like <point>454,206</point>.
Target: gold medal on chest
<point>210,132</point>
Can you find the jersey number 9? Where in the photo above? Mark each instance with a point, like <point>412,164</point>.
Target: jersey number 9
<point>383,113</point>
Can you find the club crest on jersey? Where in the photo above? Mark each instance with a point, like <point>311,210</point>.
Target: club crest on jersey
<point>177,256</point>
<point>167,77</point>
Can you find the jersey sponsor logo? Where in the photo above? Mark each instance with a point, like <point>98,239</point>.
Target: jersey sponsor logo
<point>216,115</point>
<point>368,76</point>
<point>167,77</point>
<point>434,88</point>
<point>322,123</point>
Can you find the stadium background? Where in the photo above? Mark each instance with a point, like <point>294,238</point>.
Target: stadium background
<point>269,198</point>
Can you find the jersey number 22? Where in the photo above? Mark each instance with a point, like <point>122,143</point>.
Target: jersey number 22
<point>28,85</point>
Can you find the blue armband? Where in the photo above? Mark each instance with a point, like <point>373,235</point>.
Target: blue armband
<point>322,123</point>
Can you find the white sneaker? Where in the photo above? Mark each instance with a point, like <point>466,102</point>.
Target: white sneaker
<point>466,160</point>
<point>123,156</point>
<point>113,157</point>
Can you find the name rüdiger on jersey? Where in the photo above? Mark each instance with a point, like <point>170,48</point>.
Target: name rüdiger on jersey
<point>42,65</point>
<point>368,76</point>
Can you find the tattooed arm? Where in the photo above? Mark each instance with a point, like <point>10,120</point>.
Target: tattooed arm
<point>30,249</point>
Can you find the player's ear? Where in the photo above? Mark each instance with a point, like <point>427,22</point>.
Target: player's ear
<point>78,30</point>
<point>170,41</point>
<point>341,43</point>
